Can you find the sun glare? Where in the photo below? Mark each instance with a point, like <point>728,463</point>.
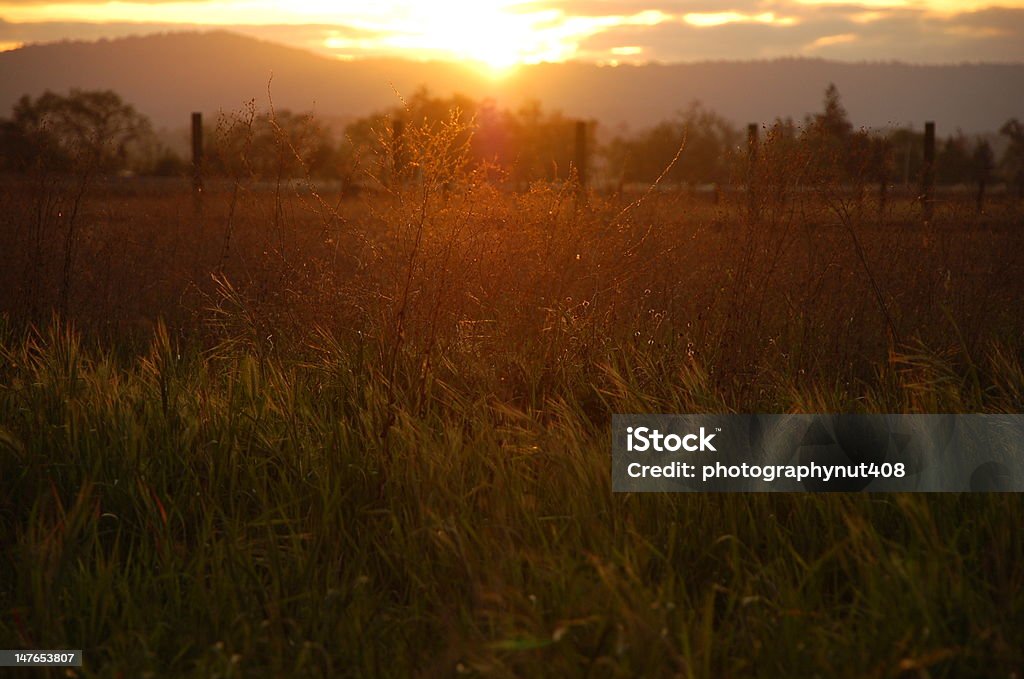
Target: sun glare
<point>472,31</point>
<point>493,33</point>
<point>497,34</point>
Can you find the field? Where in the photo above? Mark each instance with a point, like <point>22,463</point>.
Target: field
<point>285,433</point>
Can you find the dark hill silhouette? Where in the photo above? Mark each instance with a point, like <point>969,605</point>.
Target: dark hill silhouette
<point>167,76</point>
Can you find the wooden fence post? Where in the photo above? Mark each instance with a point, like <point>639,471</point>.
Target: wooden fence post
<point>197,158</point>
<point>880,160</point>
<point>883,192</point>
<point>980,197</point>
<point>197,153</point>
<point>752,147</point>
<point>983,164</point>
<point>928,172</point>
<point>580,162</point>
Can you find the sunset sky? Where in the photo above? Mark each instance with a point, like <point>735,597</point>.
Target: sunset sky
<point>503,33</point>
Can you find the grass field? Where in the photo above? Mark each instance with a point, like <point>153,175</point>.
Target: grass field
<point>294,435</point>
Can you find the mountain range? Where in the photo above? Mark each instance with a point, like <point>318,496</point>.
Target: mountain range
<point>166,76</point>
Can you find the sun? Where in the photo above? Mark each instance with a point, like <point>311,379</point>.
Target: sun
<point>491,34</point>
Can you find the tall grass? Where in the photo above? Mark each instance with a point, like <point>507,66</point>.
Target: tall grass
<point>372,438</point>
<point>225,513</point>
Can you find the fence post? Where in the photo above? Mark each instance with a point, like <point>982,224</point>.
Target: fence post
<point>928,172</point>
<point>197,151</point>
<point>883,192</point>
<point>580,162</point>
<point>983,164</point>
<point>197,158</point>
<point>752,144</point>
<point>980,198</point>
<point>880,152</point>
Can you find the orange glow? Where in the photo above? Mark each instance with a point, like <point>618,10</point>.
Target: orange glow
<point>704,19</point>
<point>930,6</point>
<point>830,40</point>
<point>497,34</point>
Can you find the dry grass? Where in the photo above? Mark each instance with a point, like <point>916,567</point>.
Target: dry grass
<point>295,434</point>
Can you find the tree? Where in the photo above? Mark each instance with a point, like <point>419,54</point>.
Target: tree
<point>274,145</point>
<point>833,122</point>
<point>835,154</point>
<point>644,156</point>
<point>523,145</point>
<point>907,154</point>
<point>542,144</point>
<point>371,139</point>
<point>709,143</point>
<point>837,151</point>
<point>954,164</point>
<point>710,140</point>
<point>83,133</point>
<point>1013,158</point>
<point>983,161</point>
<point>783,159</point>
<point>94,130</point>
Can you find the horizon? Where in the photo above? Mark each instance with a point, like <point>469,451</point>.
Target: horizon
<point>434,59</point>
<point>879,94</point>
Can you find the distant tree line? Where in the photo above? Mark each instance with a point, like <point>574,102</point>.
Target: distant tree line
<point>83,129</point>
<point>97,130</point>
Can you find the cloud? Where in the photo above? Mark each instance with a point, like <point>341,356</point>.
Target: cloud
<point>705,19</point>
<point>593,8</point>
<point>838,32</point>
<point>829,40</point>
